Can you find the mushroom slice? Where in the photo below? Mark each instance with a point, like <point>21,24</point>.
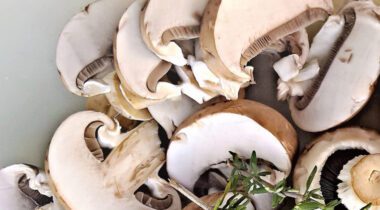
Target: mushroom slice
<point>23,187</point>
<point>213,198</point>
<point>120,104</point>
<point>329,153</point>
<point>360,182</point>
<point>162,24</point>
<point>84,48</point>
<point>330,101</point>
<point>138,68</point>
<point>112,183</point>
<point>207,136</point>
<point>190,86</point>
<point>254,26</point>
<point>172,112</point>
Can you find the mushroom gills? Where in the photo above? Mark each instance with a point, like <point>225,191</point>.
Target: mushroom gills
<point>211,180</point>
<point>91,140</point>
<point>349,22</point>
<point>100,66</point>
<point>144,195</point>
<point>329,175</point>
<point>34,195</point>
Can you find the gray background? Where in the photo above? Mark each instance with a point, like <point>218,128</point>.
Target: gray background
<point>33,99</point>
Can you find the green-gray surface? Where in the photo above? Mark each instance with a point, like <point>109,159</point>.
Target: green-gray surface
<point>33,99</point>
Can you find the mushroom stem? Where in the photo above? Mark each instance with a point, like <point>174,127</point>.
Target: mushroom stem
<point>189,194</point>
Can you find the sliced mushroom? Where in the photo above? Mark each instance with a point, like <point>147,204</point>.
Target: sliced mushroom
<point>24,187</point>
<point>213,198</point>
<point>253,26</point>
<point>329,153</point>
<point>138,68</point>
<point>100,103</point>
<point>240,126</point>
<point>172,112</point>
<point>84,51</point>
<point>112,183</point>
<point>360,182</point>
<point>120,104</point>
<point>190,86</point>
<point>348,71</point>
<point>164,21</point>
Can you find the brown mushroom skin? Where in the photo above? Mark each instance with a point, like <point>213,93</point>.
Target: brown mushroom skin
<point>265,116</point>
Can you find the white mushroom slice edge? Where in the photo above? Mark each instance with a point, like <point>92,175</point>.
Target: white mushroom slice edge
<point>162,24</point>
<point>109,183</point>
<point>119,103</point>
<point>214,129</point>
<point>84,49</point>
<point>138,68</point>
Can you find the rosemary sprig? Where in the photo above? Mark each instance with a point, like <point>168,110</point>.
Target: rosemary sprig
<point>246,179</point>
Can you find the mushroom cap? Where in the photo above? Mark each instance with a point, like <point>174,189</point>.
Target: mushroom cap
<point>84,48</point>
<point>162,24</point>
<point>108,184</point>
<point>354,62</point>
<point>317,153</point>
<point>224,21</point>
<point>207,136</point>
<point>138,68</point>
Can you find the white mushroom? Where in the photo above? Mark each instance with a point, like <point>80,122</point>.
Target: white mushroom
<point>348,71</point>
<point>138,68</point>
<point>172,112</point>
<point>76,159</point>
<point>329,153</point>
<point>84,51</point>
<point>233,32</point>
<point>24,187</point>
<point>119,103</point>
<point>240,126</point>
<point>164,21</point>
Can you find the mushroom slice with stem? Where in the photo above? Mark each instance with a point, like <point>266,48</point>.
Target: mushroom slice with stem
<point>207,136</point>
<point>112,183</point>
<point>138,68</point>
<point>360,182</point>
<point>84,49</point>
<point>330,153</point>
<point>120,104</point>
<point>224,21</point>
<point>24,187</point>
<point>162,24</point>
<point>354,59</point>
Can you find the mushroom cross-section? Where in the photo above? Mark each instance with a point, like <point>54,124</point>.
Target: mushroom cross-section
<point>233,32</point>
<point>162,23</point>
<point>349,69</point>
<point>75,167</point>
<point>84,51</point>
<point>24,187</point>
<point>241,126</point>
<point>331,153</point>
<point>138,68</point>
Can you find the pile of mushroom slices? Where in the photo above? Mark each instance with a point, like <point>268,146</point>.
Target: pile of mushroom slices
<point>335,78</point>
<point>184,66</point>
